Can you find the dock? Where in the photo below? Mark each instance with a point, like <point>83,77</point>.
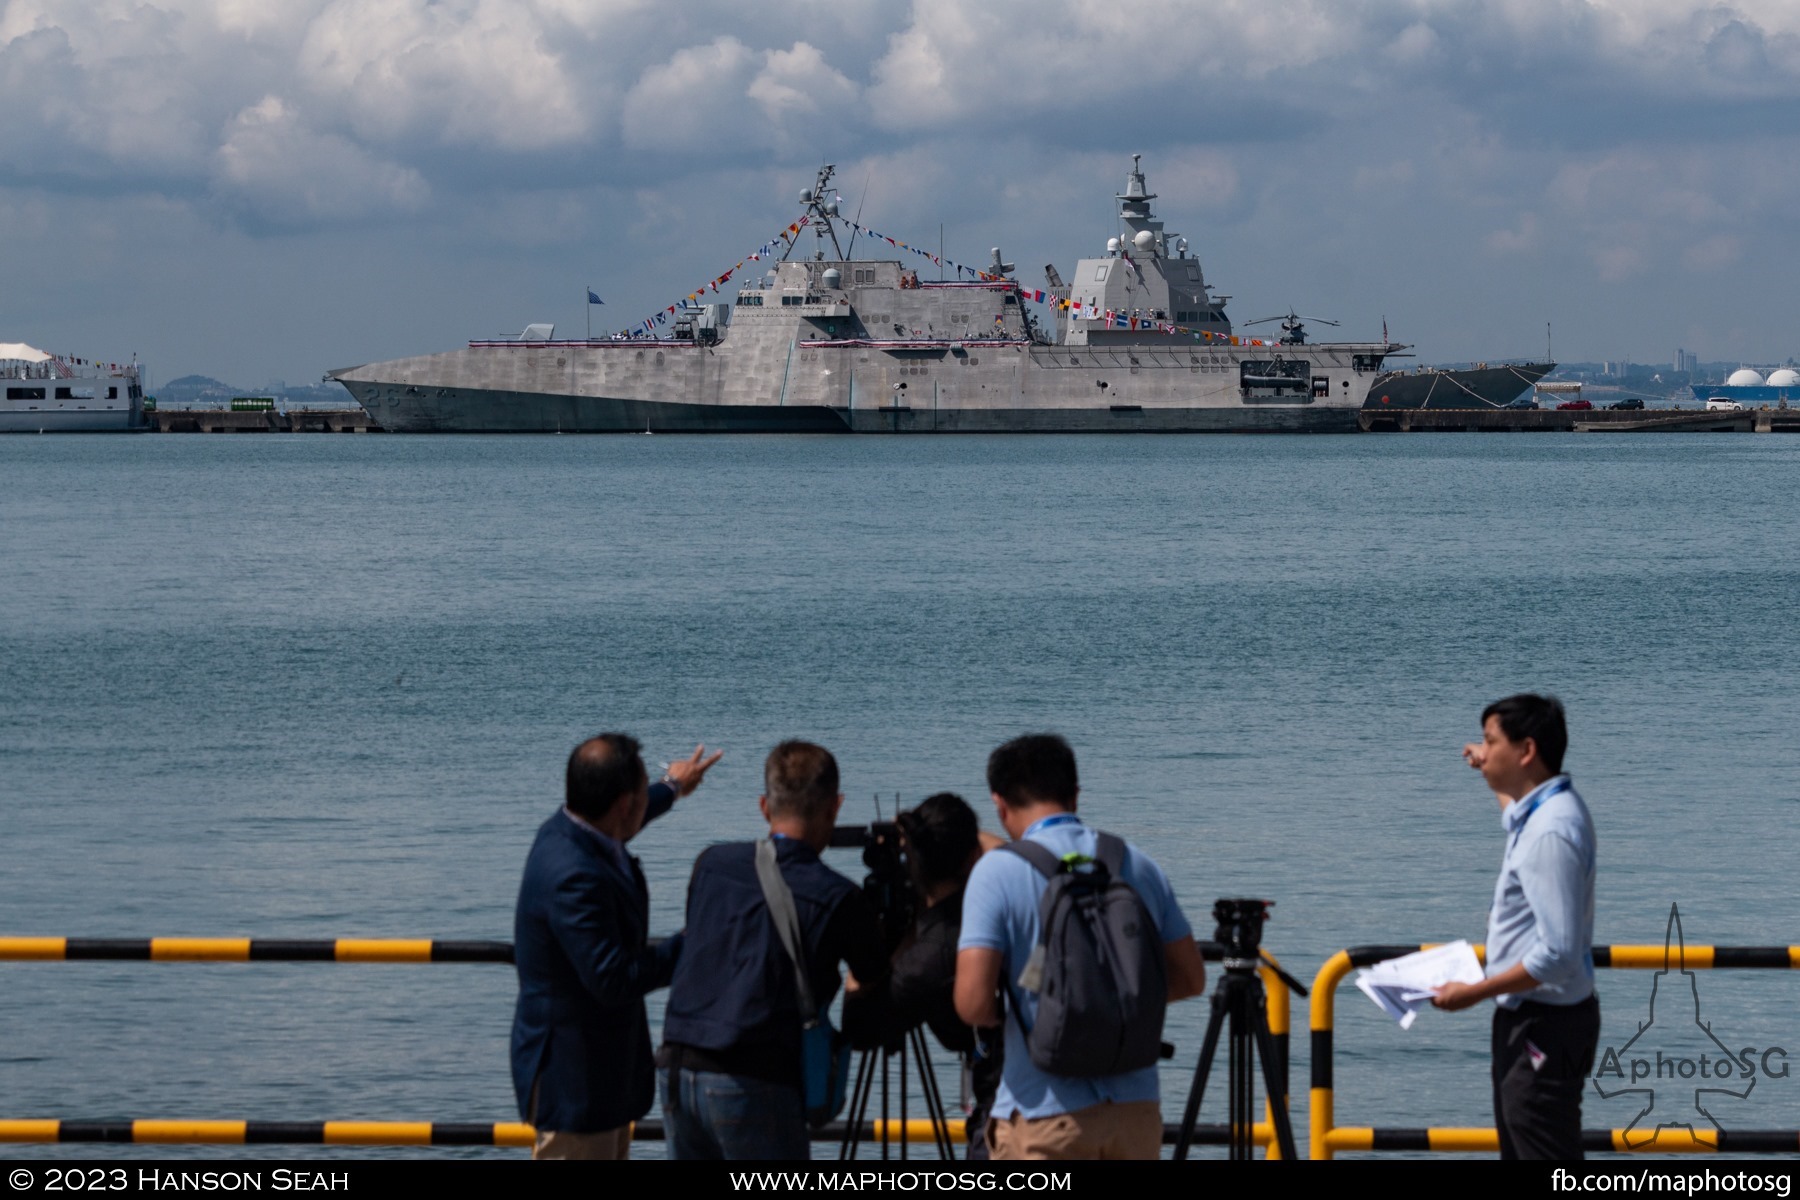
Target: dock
<point>1597,420</point>
<point>219,420</point>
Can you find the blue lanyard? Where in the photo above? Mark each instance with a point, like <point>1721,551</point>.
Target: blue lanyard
<point>1053,822</point>
<point>1562,785</point>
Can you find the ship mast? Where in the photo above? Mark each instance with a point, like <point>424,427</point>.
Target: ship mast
<point>822,213</point>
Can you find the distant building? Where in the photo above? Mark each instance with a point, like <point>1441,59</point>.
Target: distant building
<point>1687,361</point>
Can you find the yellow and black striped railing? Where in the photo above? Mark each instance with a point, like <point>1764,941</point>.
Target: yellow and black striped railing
<point>192,949</point>
<point>1327,1138</point>
<point>916,1131</point>
<point>270,1133</point>
<point>427,1133</point>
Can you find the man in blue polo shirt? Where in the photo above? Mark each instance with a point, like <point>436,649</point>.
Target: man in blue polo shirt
<point>1540,961</point>
<point>1038,1115</point>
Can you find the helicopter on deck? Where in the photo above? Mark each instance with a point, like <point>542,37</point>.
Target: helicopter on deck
<point>1293,329</point>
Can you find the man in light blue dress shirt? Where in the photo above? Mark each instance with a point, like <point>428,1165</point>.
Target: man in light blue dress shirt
<point>1540,961</point>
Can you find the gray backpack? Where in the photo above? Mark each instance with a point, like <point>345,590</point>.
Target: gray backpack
<point>1098,968</point>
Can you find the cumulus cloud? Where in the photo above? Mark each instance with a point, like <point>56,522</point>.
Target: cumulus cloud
<point>461,72</point>
<point>798,84</point>
<point>954,62</point>
<point>284,173</point>
<point>1521,238</point>
<point>725,97</point>
<point>96,99</point>
<point>1714,253</point>
<point>692,100</point>
<point>1620,262</point>
<point>1624,137</point>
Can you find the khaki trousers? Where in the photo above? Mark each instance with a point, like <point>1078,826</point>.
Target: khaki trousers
<point>1102,1131</point>
<point>612,1144</point>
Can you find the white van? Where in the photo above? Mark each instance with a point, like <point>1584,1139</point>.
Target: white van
<point>1720,404</point>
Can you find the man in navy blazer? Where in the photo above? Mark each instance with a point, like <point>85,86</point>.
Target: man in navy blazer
<point>581,1058</point>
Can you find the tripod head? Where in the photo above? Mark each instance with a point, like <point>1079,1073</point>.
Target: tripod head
<point>1238,928</point>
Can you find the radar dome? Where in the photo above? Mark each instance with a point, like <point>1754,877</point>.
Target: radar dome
<point>1112,245</point>
<point>1744,377</point>
<point>1144,239</point>
<point>806,195</point>
<point>1784,378</point>
<point>833,278</point>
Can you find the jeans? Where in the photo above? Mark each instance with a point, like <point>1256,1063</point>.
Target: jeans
<point>713,1116</point>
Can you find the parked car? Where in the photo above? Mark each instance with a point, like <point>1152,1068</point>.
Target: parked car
<point>1576,405</point>
<point>1630,402</point>
<point>1720,404</point>
<point>1523,402</point>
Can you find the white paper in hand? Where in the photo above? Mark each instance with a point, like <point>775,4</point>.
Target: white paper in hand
<point>1402,986</point>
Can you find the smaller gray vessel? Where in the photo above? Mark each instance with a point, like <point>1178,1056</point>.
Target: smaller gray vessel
<point>53,393</point>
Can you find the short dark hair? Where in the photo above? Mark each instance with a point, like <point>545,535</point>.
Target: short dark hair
<point>942,835</point>
<point>1037,768</point>
<point>602,771</point>
<point>800,780</point>
<point>1539,718</point>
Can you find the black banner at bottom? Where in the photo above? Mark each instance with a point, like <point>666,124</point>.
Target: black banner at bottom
<point>384,1177</point>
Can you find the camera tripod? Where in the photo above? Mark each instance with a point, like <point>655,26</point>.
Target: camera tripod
<point>1240,1000</point>
<point>913,1048</point>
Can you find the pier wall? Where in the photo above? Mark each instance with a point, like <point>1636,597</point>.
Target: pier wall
<point>216,420</point>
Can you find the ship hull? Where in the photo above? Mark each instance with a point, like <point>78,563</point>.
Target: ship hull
<point>1478,387</point>
<point>470,410</point>
<point>754,384</point>
<point>484,410</point>
<point>75,421</point>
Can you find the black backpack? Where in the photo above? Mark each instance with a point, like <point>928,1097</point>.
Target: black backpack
<point>1098,968</point>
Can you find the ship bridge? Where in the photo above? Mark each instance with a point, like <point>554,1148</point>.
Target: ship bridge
<point>1146,280</point>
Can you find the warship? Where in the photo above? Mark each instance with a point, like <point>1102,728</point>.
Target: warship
<point>1135,340</point>
<point>1482,385</point>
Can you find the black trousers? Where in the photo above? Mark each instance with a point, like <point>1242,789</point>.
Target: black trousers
<point>1543,1054</point>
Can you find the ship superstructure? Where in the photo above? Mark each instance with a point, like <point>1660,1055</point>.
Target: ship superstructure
<point>1135,340</point>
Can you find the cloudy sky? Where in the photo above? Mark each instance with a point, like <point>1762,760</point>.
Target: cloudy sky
<point>263,189</point>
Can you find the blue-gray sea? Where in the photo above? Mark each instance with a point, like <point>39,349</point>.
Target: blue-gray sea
<point>315,687</point>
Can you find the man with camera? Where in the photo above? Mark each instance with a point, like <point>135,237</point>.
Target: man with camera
<point>940,843</point>
<point>1540,960</point>
<point>733,1085</point>
<point>1073,1086</point>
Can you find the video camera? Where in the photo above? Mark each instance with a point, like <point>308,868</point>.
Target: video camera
<point>889,884</point>
<point>1239,926</point>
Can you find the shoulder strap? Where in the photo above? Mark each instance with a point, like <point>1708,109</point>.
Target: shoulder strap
<point>780,899</point>
<point>1110,853</point>
<point>1047,864</point>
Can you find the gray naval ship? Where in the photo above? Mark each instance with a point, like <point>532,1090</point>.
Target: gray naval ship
<point>1134,340</point>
